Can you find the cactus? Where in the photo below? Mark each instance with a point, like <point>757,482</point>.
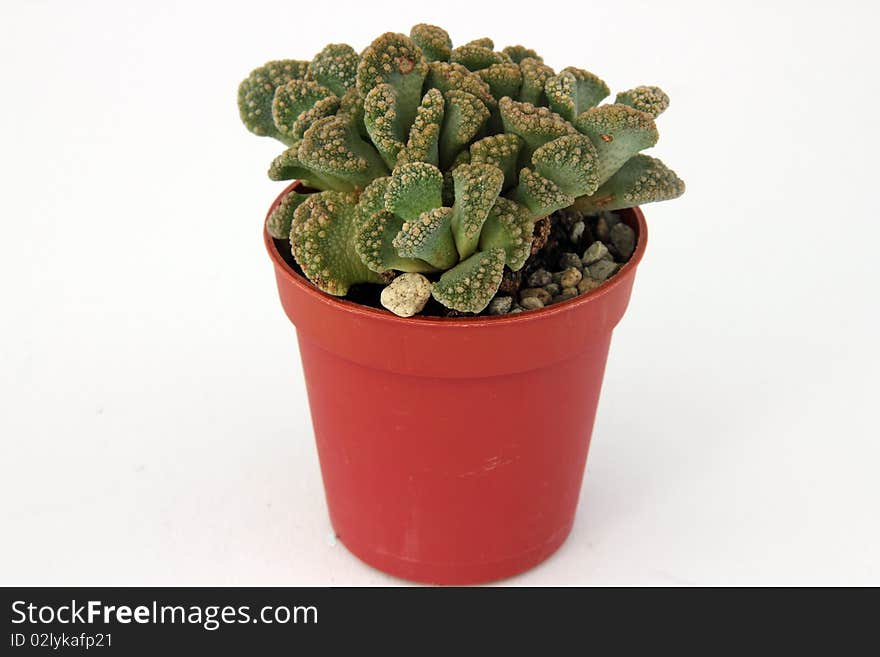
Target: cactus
<point>436,159</point>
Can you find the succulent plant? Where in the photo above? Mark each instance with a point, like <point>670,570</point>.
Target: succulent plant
<point>438,160</point>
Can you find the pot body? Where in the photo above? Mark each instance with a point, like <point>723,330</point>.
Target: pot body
<point>452,450</point>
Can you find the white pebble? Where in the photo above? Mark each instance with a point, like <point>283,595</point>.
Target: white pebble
<point>407,294</point>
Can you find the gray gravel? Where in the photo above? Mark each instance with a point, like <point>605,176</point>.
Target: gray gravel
<point>603,230</point>
<point>588,284</point>
<point>603,269</point>
<point>570,260</point>
<point>595,252</point>
<point>552,288</point>
<point>500,305</point>
<point>537,292</point>
<point>531,303</point>
<point>570,277</point>
<point>539,278</point>
<point>614,245</point>
<point>624,240</point>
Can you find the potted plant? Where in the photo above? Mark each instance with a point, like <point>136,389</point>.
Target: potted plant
<point>459,241</point>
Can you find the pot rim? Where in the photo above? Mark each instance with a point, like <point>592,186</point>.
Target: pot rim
<point>368,312</point>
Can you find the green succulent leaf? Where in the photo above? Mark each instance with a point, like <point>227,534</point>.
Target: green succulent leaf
<point>450,76</point>
<point>434,42</point>
<point>424,137</point>
<point>351,106</point>
<point>539,194</point>
<point>287,166</point>
<point>534,125</point>
<point>534,76</point>
<point>500,150</point>
<point>476,188</point>
<point>503,79</point>
<point>413,189</point>
<point>293,99</point>
<point>464,117</point>
<point>376,230</point>
<point>618,132</point>
<point>482,42</point>
<point>574,91</point>
<point>322,239</point>
<point>382,120</point>
<point>641,180</point>
<point>281,217</point>
<point>471,284</point>
<point>257,91</point>
<point>428,238</point>
<point>519,53</point>
<point>651,100</point>
<point>475,57</point>
<point>509,226</point>
<point>323,108</point>
<point>372,199</point>
<point>333,148</point>
<point>570,162</point>
<point>335,67</point>
<point>394,59</point>
<point>463,157</point>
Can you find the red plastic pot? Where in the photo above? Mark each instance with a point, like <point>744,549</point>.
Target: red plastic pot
<point>453,450</point>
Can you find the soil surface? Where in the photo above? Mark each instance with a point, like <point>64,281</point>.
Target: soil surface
<point>572,253</point>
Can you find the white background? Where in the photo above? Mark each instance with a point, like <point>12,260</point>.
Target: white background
<point>152,412</point>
